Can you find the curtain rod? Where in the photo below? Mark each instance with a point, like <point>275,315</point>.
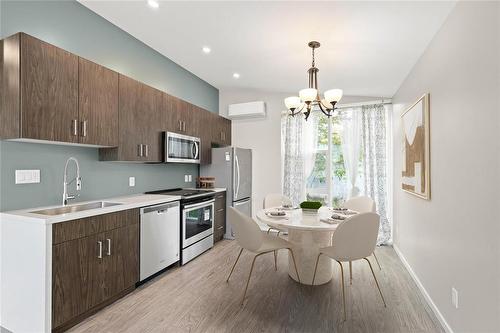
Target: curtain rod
<point>378,101</point>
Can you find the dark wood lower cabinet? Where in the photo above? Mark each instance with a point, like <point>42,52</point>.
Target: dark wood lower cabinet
<point>91,271</point>
<point>220,216</point>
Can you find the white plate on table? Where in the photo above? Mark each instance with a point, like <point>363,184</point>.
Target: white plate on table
<point>274,214</point>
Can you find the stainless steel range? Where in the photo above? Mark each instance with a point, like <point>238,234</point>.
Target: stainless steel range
<point>197,221</point>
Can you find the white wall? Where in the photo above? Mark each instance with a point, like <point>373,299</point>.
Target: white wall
<point>263,136</point>
<point>453,239</point>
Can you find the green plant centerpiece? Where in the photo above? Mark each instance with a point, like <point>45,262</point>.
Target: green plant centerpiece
<point>310,207</point>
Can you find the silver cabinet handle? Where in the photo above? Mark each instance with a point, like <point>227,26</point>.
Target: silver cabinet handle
<point>180,125</point>
<point>221,227</point>
<point>84,128</point>
<point>74,123</point>
<point>220,210</point>
<point>109,246</point>
<point>184,126</point>
<point>140,151</point>
<point>100,249</point>
<point>146,150</point>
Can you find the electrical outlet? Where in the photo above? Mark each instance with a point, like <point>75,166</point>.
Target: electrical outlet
<point>454,297</point>
<point>131,181</point>
<point>186,178</point>
<point>27,176</point>
<point>190,178</point>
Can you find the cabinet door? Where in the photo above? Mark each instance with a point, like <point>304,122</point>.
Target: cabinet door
<point>132,119</point>
<point>49,91</point>
<point>97,104</point>
<point>226,131</point>
<point>151,105</point>
<point>205,133</point>
<point>171,116</point>
<point>76,278</point>
<point>220,216</point>
<point>121,259</point>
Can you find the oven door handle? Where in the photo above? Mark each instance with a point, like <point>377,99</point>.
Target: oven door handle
<point>199,204</point>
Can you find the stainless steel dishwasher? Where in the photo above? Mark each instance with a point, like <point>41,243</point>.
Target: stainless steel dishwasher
<point>160,237</point>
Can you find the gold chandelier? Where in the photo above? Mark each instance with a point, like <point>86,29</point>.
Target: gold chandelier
<point>309,98</point>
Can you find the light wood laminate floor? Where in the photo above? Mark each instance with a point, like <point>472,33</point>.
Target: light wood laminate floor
<point>196,298</point>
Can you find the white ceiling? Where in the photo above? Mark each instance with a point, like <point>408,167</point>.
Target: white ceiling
<point>367,48</point>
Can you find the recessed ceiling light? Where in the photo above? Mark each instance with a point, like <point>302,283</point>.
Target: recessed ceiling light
<point>153,3</point>
<point>206,49</point>
<point>236,75</point>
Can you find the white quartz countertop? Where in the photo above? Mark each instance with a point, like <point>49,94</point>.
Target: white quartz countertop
<point>126,202</point>
<point>215,189</point>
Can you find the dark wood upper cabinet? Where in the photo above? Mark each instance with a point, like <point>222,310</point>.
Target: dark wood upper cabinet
<point>205,133</point>
<point>97,104</point>
<point>140,115</point>
<point>221,134</point>
<point>49,92</point>
<point>10,94</point>
<point>40,90</point>
<point>180,116</point>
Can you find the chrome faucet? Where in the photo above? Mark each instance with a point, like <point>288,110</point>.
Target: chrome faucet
<point>78,180</point>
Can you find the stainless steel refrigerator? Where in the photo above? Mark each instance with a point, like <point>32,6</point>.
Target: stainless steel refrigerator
<point>232,169</point>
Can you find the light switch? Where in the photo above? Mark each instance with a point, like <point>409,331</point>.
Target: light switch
<point>27,176</point>
<point>186,178</point>
<point>190,178</point>
<point>131,181</point>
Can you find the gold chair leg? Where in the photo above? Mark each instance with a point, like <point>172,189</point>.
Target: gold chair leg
<point>376,282</point>
<point>295,265</point>
<point>248,280</point>
<point>275,259</point>
<point>343,288</point>
<point>376,259</point>
<point>239,254</point>
<point>315,269</point>
<point>350,273</point>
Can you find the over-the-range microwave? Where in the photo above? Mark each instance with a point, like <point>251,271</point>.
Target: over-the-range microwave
<point>181,148</point>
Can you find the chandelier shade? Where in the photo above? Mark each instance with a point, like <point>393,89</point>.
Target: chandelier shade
<point>333,95</point>
<point>309,97</point>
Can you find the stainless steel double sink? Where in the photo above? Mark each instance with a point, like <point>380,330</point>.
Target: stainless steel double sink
<point>75,208</point>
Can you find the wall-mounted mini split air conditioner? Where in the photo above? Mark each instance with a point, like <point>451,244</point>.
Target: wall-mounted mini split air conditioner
<point>247,110</point>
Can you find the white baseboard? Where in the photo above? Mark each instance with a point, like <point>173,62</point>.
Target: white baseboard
<point>424,292</point>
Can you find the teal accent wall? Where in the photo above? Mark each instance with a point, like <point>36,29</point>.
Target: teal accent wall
<point>99,179</point>
<point>73,27</point>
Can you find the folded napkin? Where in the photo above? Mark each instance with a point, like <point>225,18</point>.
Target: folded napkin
<point>329,220</point>
<point>338,217</point>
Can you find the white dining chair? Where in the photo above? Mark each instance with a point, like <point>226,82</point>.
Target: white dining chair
<point>361,204</point>
<point>249,236</point>
<point>354,239</point>
<point>276,200</point>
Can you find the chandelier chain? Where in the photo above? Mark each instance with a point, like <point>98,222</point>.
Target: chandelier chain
<point>313,59</point>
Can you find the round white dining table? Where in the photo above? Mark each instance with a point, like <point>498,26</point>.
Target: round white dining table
<point>308,234</point>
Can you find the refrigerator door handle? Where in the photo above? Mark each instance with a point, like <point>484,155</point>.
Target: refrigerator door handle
<point>239,203</point>
<point>238,172</point>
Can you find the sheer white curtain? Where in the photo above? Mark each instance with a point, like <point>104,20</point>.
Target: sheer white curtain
<point>293,158</point>
<point>351,143</point>
<point>309,145</point>
<point>299,142</point>
<point>374,146</point>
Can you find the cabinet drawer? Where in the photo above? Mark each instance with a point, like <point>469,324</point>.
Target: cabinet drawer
<point>220,201</point>
<point>65,231</point>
